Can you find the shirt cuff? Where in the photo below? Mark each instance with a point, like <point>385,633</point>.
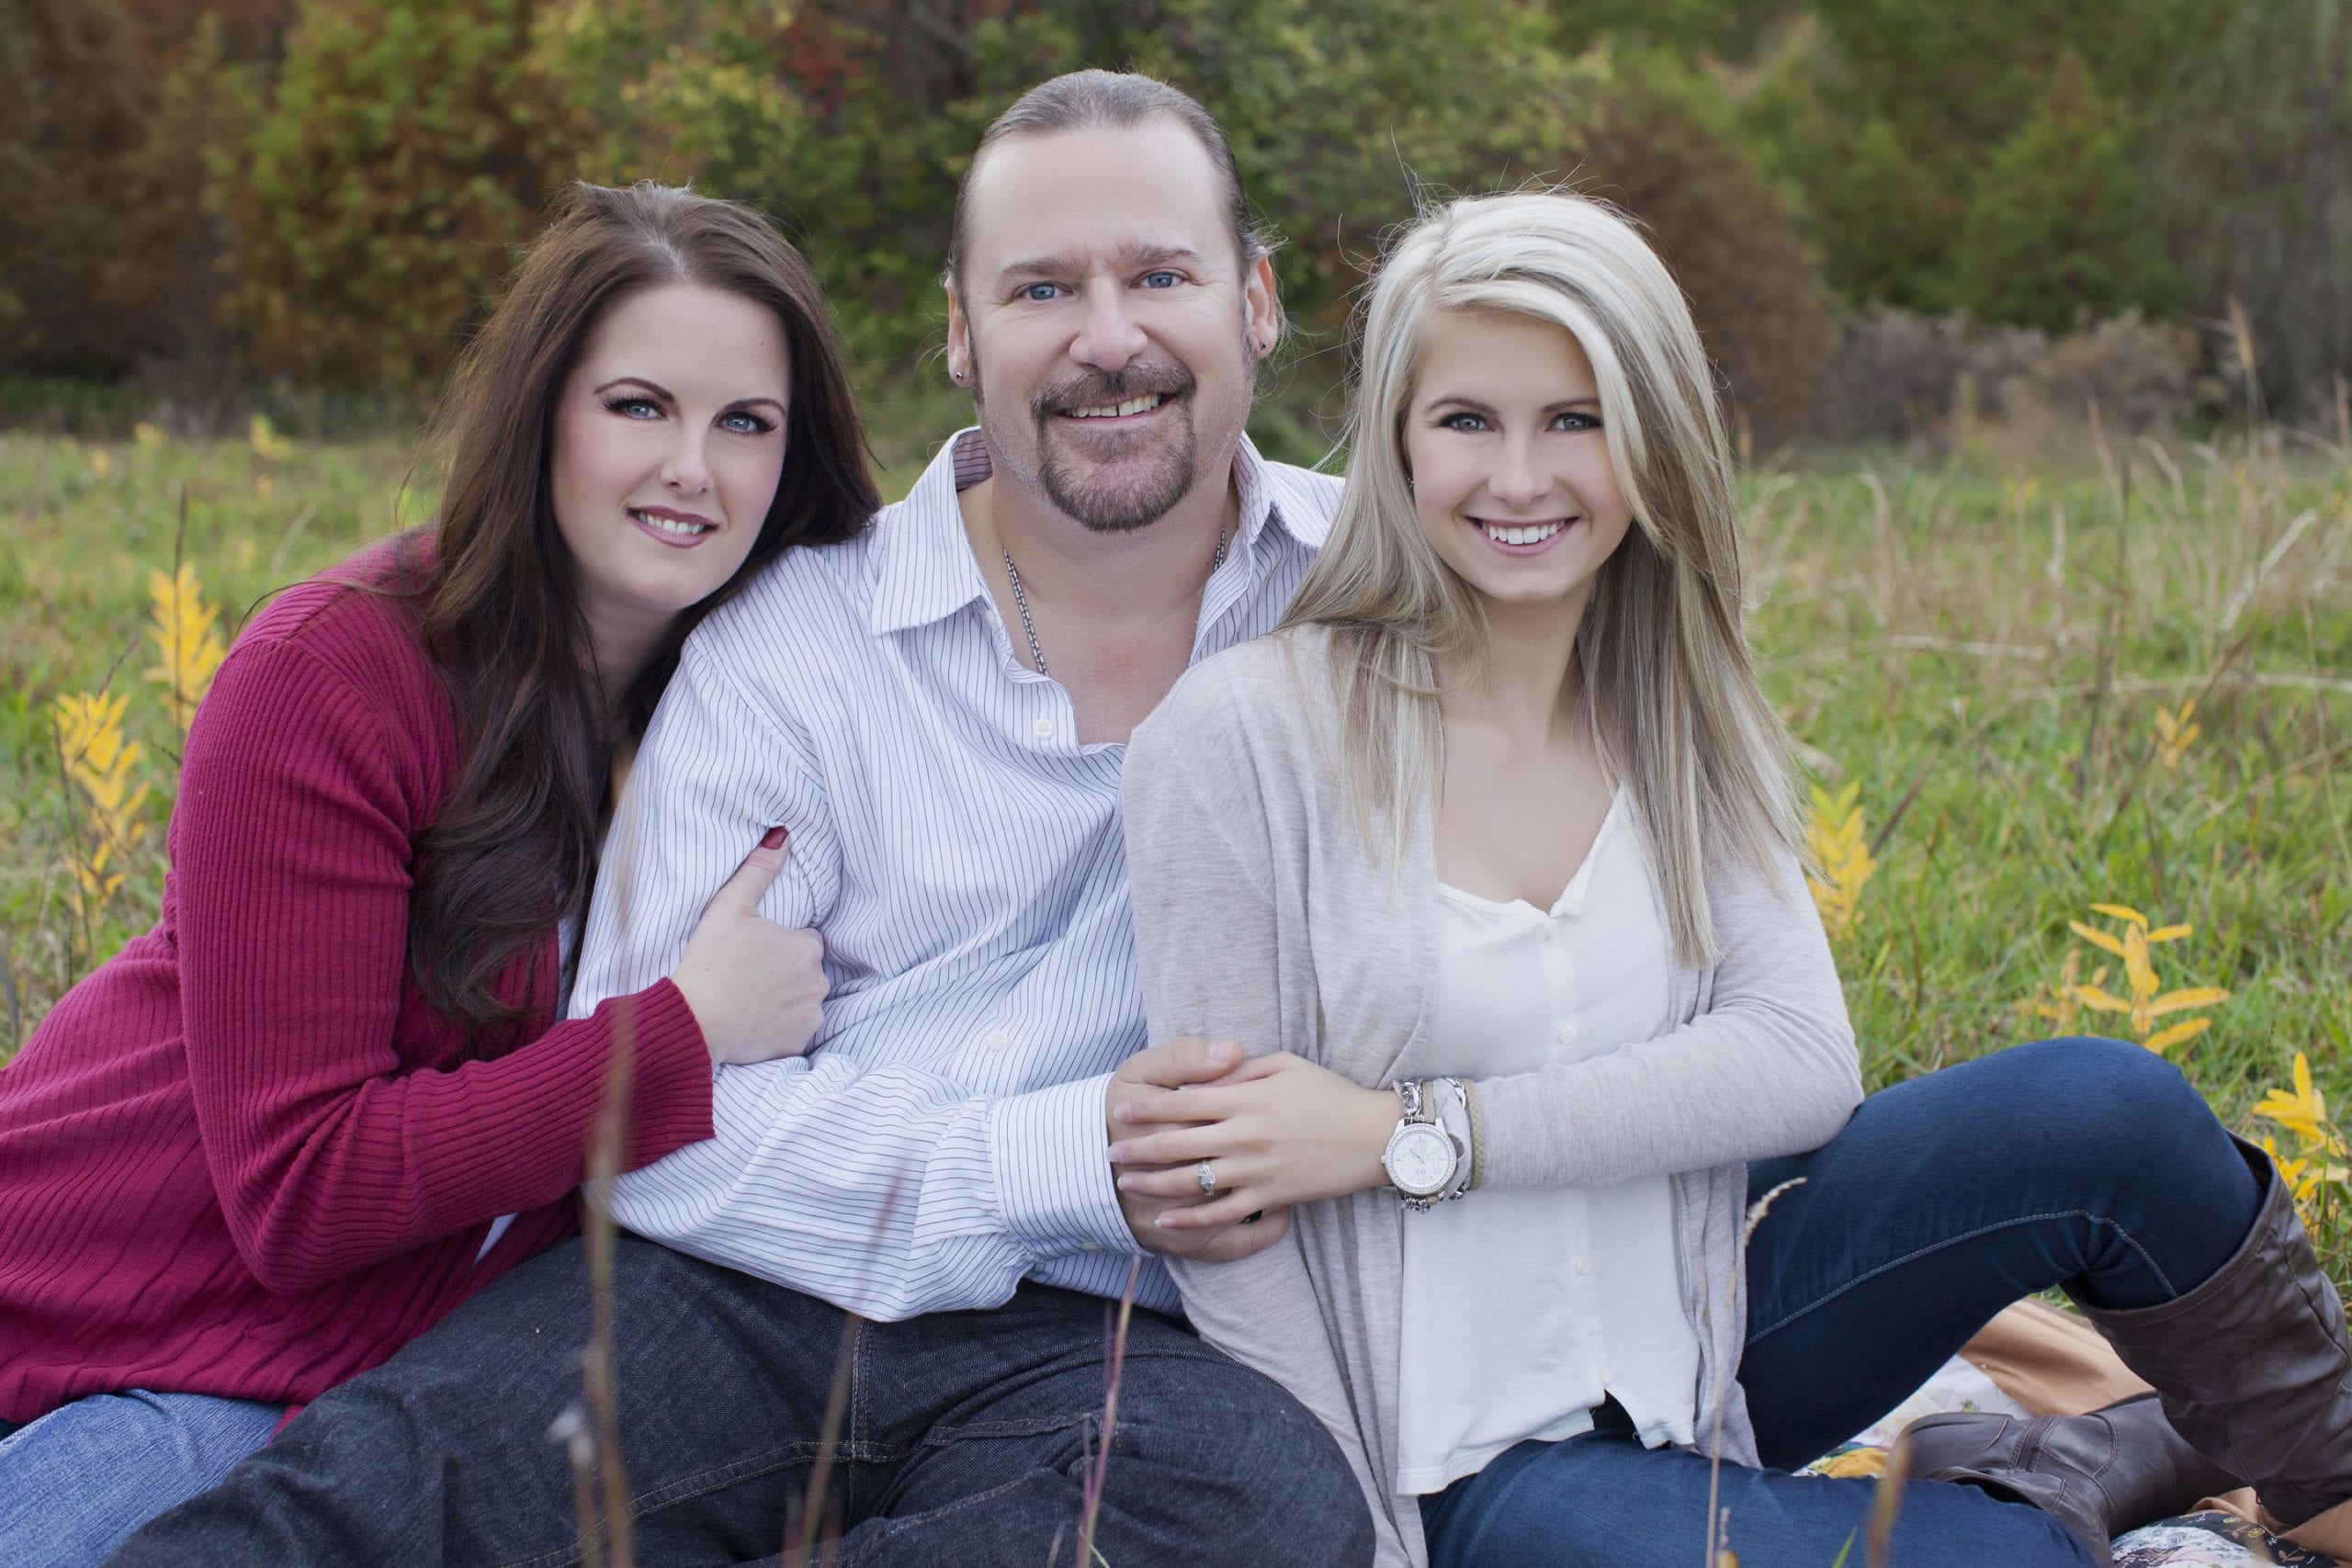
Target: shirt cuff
<point>1053,1171</point>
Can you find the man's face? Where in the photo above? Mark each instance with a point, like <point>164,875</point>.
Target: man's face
<point>1105,324</point>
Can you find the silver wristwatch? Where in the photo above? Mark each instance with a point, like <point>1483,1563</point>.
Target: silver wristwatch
<point>1422,1156</point>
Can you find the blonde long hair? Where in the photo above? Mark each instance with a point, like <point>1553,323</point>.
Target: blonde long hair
<point>1678,710</point>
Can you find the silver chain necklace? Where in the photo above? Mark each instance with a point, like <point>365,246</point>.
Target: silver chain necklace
<point>1021,600</point>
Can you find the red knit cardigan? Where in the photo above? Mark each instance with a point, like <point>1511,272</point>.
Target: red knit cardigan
<point>244,1158</point>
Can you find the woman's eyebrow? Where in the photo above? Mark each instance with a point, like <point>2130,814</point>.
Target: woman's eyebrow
<point>656,387</point>
<point>1456,400</point>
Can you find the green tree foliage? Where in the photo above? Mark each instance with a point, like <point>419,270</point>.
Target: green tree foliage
<point>1887,115</point>
<point>116,111</point>
<point>2256,165</point>
<point>1663,148</point>
<point>171,275</point>
<point>2059,227</point>
<point>342,182</point>
<point>376,201</point>
<point>73,66</point>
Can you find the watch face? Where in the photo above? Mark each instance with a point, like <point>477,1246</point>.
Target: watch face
<point>1421,1159</point>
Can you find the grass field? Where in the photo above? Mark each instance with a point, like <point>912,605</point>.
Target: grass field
<point>1996,656</point>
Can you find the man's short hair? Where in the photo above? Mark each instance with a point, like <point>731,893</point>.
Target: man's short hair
<point>1112,100</point>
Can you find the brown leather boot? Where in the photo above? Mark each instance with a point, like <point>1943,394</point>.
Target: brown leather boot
<point>2100,1474</point>
<point>2253,1365</point>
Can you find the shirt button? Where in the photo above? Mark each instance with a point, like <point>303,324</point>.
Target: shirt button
<point>1584,1265</point>
<point>1045,728</point>
<point>1566,1034</point>
<point>1089,1247</point>
<point>996,1040</point>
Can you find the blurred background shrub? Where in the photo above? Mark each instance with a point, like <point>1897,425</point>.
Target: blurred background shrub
<point>308,201</point>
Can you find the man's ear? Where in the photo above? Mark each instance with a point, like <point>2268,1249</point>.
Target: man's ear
<point>1264,305</point>
<point>959,337</point>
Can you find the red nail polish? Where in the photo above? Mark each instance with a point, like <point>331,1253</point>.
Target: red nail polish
<point>774,838</point>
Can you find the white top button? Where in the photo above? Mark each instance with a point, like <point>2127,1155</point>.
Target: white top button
<point>1584,1265</point>
<point>996,1040</point>
<point>1566,1034</point>
<point>1045,728</point>
<point>1089,1247</point>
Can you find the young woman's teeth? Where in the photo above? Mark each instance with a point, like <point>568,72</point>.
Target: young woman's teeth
<point>1115,410</point>
<point>1534,534</point>
<point>685,530</point>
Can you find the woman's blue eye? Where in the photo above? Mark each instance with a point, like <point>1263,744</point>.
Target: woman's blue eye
<point>1579,422</point>
<point>747,423</point>
<point>635,407</point>
<point>1463,421</point>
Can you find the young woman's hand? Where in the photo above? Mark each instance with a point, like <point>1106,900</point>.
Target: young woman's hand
<point>1277,1130</point>
<point>757,988</point>
<point>1152,1074</point>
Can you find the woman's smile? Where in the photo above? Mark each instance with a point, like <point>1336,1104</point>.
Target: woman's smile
<point>1521,539</point>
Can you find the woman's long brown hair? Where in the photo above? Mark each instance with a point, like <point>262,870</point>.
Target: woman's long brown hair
<point>514,850</point>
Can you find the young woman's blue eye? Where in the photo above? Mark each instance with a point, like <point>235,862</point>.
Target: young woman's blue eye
<point>745,422</point>
<point>1466,422</point>
<point>631,407</point>
<point>1574,421</point>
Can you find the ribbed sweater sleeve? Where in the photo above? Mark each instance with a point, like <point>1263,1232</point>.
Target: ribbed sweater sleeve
<point>302,791</point>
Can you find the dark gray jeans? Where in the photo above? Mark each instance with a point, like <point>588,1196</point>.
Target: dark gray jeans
<point>965,1438</point>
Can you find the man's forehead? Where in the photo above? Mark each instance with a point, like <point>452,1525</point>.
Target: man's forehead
<point>1135,194</point>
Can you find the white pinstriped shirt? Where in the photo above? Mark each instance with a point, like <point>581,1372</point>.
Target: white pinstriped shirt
<point>961,853</point>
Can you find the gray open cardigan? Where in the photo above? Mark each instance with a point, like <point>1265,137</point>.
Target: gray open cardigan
<point>1262,916</point>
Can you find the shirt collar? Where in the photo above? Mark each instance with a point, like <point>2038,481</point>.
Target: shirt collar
<point>924,569</point>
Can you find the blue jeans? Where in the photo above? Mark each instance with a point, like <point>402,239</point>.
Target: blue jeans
<point>966,1438</point>
<point>79,1480</point>
<point>2085,1165</point>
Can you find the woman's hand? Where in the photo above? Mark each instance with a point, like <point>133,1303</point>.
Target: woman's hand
<point>1277,1130</point>
<point>757,988</point>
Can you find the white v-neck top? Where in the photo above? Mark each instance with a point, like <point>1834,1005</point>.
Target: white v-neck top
<point>1523,1309</point>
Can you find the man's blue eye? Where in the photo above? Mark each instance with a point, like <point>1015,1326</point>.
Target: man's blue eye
<point>1041,292</point>
<point>1160,280</point>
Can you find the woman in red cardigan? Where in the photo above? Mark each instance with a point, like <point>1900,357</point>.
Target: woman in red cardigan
<point>326,1097</point>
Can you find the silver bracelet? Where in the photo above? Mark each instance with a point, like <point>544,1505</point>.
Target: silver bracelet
<point>1453,1114</point>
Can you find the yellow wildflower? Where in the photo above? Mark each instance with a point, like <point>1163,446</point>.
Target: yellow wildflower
<point>150,435</point>
<point>2303,1175</point>
<point>268,445</point>
<point>101,463</point>
<point>2147,1001</point>
<point>2303,1112</point>
<point>183,629</point>
<point>2061,1007</point>
<point>101,761</point>
<point>1840,846</point>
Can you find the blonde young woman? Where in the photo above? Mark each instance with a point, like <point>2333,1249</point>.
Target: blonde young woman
<point>1487,859</point>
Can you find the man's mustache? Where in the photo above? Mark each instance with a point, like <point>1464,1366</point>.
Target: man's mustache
<point>1097,390</point>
